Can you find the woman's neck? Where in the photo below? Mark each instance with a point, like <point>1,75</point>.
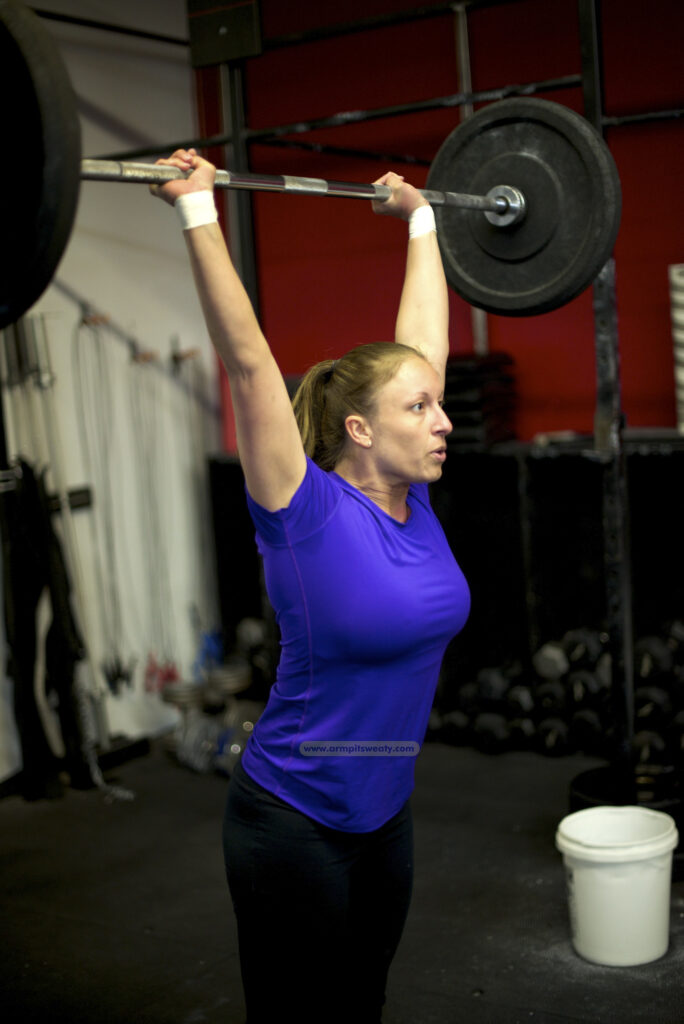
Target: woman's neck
<point>391,498</point>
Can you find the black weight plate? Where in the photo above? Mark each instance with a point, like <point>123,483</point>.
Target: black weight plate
<point>42,166</point>
<point>571,185</point>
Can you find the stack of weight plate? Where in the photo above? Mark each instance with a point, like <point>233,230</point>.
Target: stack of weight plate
<point>676,273</point>
<point>479,399</point>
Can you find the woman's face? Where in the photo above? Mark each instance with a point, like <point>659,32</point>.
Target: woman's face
<point>408,428</point>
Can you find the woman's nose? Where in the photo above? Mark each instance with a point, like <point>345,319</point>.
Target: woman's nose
<point>444,425</point>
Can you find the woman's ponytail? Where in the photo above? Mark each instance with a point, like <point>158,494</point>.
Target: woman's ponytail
<point>309,404</point>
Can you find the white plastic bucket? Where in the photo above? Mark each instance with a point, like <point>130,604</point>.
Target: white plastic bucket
<point>618,863</point>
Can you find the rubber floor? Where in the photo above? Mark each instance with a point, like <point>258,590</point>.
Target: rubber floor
<point>116,911</point>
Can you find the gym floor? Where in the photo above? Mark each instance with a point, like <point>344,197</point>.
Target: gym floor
<point>118,911</point>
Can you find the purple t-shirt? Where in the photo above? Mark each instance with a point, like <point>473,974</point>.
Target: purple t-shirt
<point>366,607</point>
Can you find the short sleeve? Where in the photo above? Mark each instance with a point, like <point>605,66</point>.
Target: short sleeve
<point>312,504</point>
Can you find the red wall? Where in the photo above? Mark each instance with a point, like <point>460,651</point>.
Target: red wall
<point>330,272</point>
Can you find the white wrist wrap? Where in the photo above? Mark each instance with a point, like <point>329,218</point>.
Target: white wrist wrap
<point>195,209</point>
<point>421,222</point>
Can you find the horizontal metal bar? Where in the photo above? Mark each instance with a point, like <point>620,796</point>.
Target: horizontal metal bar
<point>648,116</point>
<point>292,39</point>
<point>350,117</point>
<point>156,174</point>
<point>377,21</point>
<point>358,116</point>
<point>106,26</point>
<point>324,148</point>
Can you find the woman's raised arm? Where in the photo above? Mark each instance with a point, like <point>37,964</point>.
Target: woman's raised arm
<point>269,443</point>
<point>423,317</point>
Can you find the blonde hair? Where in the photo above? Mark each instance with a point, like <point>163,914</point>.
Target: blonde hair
<point>336,388</point>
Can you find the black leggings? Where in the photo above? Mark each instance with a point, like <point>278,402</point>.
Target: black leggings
<point>320,912</point>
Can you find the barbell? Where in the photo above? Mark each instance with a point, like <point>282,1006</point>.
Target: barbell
<point>526,193</point>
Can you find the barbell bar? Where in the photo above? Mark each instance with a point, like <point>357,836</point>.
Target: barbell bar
<point>505,202</point>
<point>516,249</point>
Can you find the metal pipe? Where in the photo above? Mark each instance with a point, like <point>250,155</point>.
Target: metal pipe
<point>644,118</point>
<point>375,21</point>
<point>326,149</point>
<point>354,117</point>
<point>609,448</point>
<point>238,208</point>
<point>589,14</point>
<point>349,117</point>
<point>159,174</point>
<point>478,317</point>
<point>105,26</point>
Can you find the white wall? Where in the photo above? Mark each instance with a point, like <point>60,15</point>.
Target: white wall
<point>127,259</point>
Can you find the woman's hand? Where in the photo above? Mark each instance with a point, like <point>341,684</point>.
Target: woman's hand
<point>201,179</point>
<point>404,199</point>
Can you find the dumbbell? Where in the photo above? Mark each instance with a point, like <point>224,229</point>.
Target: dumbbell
<point>237,727</point>
<point>553,737</point>
<point>587,732</point>
<point>652,708</point>
<point>650,747</point>
<point>673,633</point>
<point>583,647</point>
<point>468,698</point>
<point>587,689</point>
<point>492,686</point>
<point>454,728</point>
<point>580,648</point>
<point>652,658</point>
<point>522,733</point>
<point>550,661</point>
<point>520,701</point>
<point>491,733</point>
<point>551,699</point>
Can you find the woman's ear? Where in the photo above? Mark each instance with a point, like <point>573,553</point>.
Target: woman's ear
<point>358,430</point>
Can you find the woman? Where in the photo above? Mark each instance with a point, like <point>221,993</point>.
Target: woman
<point>317,831</point>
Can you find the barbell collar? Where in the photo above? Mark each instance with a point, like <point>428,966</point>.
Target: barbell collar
<point>515,209</point>
<point>158,174</point>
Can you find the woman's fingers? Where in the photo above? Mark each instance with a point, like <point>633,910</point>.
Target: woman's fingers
<point>404,199</point>
<point>200,175</point>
